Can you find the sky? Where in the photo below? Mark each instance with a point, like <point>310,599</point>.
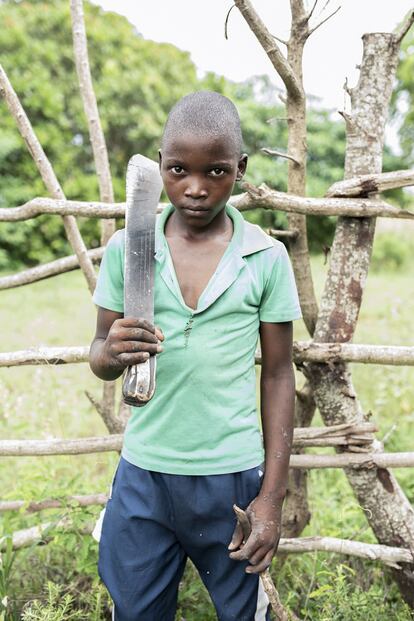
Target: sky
<point>331,53</point>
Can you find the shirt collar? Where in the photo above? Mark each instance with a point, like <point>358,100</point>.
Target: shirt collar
<point>248,238</point>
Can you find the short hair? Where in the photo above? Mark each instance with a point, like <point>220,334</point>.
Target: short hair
<point>201,112</point>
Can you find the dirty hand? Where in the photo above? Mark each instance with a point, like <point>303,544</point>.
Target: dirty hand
<point>265,517</point>
<point>131,341</point>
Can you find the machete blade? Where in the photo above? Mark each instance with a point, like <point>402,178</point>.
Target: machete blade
<point>143,189</point>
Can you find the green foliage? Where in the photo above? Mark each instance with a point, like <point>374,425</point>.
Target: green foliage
<point>7,558</point>
<point>136,82</point>
<point>337,592</point>
<point>60,604</point>
<point>57,607</point>
<point>403,97</point>
<point>60,408</point>
<point>392,252</point>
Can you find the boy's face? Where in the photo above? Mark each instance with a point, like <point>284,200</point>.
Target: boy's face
<point>199,172</point>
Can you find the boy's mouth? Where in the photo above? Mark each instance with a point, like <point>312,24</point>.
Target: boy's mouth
<point>195,208</point>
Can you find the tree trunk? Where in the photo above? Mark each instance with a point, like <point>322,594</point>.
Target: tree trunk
<point>384,503</point>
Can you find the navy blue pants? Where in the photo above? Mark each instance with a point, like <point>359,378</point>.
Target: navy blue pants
<point>154,521</point>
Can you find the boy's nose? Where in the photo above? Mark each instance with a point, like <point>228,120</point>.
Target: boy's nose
<point>195,188</point>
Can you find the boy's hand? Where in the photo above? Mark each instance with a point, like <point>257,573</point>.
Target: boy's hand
<point>131,341</point>
<point>265,517</point>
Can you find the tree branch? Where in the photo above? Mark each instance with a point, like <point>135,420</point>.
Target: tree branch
<point>58,446</point>
<point>283,41</point>
<point>267,582</point>
<point>309,15</point>
<point>278,233</point>
<point>266,198</point>
<point>371,551</point>
<point>105,410</point>
<point>40,272</point>
<point>274,153</point>
<point>353,352</point>
<point>391,556</point>
<point>256,197</point>
<point>226,22</point>
<point>45,355</point>
<point>48,175</point>
<point>353,460</point>
<point>371,184</point>
<point>312,30</point>
<point>267,42</point>
<point>100,152</point>
<point>53,503</point>
<point>62,207</point>
<point>303,351</point>
<point>102,444</point>
<point>405,27</point>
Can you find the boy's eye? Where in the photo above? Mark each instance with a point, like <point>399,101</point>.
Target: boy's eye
<point>217,172</point>
<point>177,170</point>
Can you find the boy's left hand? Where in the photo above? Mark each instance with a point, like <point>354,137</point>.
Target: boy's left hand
<point>265,517</point>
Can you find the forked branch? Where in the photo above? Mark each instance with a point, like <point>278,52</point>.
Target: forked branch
<point>272,50</point>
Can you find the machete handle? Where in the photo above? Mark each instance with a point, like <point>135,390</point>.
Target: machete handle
<point>138,383</point>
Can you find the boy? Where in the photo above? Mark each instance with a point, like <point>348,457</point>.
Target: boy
<point>195,448</point>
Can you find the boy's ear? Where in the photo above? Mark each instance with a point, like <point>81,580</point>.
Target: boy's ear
<point>159,158</point>
<point>241,166</point>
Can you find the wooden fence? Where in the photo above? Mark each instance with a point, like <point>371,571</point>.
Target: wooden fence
<point>359,448</point>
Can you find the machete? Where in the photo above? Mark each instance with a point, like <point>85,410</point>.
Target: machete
<point>143,190</point>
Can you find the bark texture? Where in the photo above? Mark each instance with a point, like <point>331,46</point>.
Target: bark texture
<point>296,512</point>
<point>297,148</point>
<point>364,185</point>
<point>384,503</point>
<point>290,70</point>
<point>106,407</point>
<point>266,198</point>
<point>303,351</point>
<point>255,197</point>
<point>100,152</point>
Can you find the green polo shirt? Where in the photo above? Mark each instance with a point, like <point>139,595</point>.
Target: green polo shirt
<point>202,419</point>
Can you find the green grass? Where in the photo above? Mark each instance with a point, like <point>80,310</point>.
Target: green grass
<point>42,402</point>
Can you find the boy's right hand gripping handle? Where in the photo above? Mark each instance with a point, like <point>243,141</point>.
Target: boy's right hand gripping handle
<point>138,384</point>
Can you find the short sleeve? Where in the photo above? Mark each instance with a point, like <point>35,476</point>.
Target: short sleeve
<point>280,300</point>
<point>109,291</point>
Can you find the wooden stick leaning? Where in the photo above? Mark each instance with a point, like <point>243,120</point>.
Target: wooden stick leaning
<point>48,175</point>
<point>106,406</point>
<point>100,152</point>
<point>265,577</point>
